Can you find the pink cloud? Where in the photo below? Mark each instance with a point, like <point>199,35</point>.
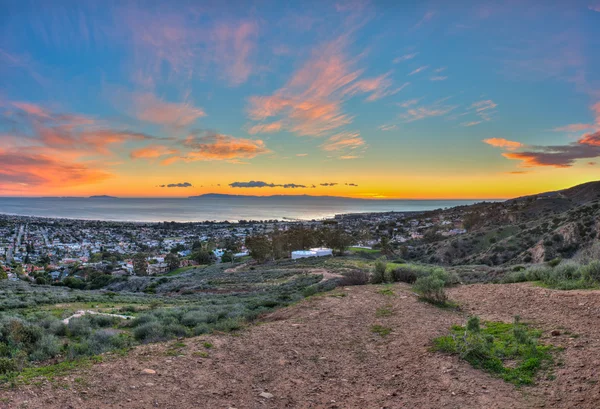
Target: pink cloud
<point>310,104</point>
<point>147,107</point>
<point>152,152</point>
<point>234,47</point>
<point>574,128</point>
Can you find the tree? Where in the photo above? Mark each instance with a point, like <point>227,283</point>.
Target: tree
<point>140,264</point>
<point>259,247</point>
<point>336,239</point>
<point>386,247</point>
<point>172,261</point>
<point>203,257</point>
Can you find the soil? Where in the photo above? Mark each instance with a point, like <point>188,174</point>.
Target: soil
<point>321,353</point>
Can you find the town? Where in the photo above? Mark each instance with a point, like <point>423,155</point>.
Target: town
<point>69,252</point>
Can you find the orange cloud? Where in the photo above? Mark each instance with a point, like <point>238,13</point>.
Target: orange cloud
<point>591,139</point>
<point>22,169</point>
<point>503,143</point>
<point>147,107</point>
<point>214,146</point>
<point>265,128</point>
<point>152,152</point>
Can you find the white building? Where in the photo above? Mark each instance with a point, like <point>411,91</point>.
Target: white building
<point>316,252</point>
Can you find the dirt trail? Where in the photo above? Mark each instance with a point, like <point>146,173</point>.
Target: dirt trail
<point>321,353</point>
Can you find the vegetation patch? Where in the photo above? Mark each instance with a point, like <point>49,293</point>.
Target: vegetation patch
<point>510,351</point>
<point>568,275</point>
<point>381,330</point>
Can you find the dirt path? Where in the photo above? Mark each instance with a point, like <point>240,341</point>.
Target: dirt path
<point>321,353</point>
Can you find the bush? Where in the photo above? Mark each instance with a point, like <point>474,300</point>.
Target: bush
<point>405,274</point>
<point>355,277</point>
<point>431,288</point>
<point>378,276</point>
<point>79,327</point>
<point>591,272</point>
<point>149,332</point>
<point>47,347</point>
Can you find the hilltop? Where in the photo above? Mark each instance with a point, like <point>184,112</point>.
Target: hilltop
<point>529,229</point>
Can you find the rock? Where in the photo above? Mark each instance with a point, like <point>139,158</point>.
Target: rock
<point>148,371</point>
<point>555,333</point>
<point>266,395</point>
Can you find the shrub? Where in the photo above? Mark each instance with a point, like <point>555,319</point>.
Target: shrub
<point>405,274</point>
<point>149,332</point>
<point>45,348</point>
<point>591,272</point>
<point>355,277</point>
<point>554,262</point>
<point>7,366</point>
<point>378,276</point>
<point>79,327</point>
<point>431,288</point>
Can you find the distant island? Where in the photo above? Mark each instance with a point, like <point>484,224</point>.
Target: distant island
<point>226,196</point>
<point>103,197</point>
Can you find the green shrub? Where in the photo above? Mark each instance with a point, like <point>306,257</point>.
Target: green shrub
<point>355,277</point>
<point>431,288</point>
<point>7,366</point>
<point>46,347</point>
<point>378,275</point>
<point>405,274</point>
<point>591,272</point>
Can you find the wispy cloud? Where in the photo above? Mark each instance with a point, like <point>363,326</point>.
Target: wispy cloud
<point>404,57</point>
<point>426,18</point>
<point>152,152</point>
<point>388,127</point>
<point>438,78</point>
<point>265,128</point>
<point>418,70</point>
<point>149,108</point>
<point>344,141</point>
<point>574,128</point>
<point>436,109</point>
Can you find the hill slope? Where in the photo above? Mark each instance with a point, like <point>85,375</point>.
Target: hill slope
<point>523,230</point>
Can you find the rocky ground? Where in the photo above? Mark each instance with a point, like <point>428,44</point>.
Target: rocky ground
<point>322,353</point>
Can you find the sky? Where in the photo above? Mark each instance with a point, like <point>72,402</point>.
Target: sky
<point>380,99</point>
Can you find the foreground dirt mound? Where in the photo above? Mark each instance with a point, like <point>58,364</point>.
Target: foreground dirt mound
<point>322,353</point>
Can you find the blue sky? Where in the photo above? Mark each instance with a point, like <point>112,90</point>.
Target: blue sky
<point>422,99</point>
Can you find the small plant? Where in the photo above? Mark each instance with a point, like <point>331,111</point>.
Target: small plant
<point>383,312</point>
<point>201,354</point>
<point>493,345</point>
<point>207,345</point>
<point>381,330</point>
<point>386,291</point>
<point>379,276</point>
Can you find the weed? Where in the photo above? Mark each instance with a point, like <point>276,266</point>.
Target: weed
<point>384,312</point>
<point>386,291</point>
<point>381,330</point>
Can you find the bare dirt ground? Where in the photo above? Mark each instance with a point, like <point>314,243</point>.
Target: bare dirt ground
<point>321,353</point>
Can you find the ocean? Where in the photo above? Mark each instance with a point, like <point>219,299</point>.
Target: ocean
<point>211,208</point>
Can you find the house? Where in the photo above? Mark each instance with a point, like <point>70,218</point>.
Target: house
<point>315,252</point>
